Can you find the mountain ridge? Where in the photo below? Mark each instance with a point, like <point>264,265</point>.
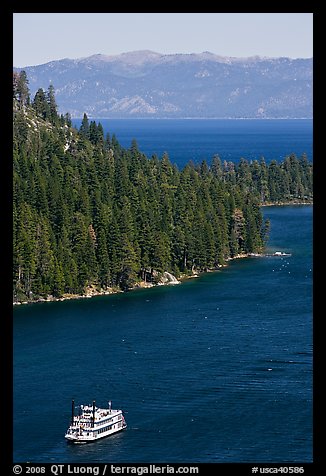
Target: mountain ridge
<point>144,83</point>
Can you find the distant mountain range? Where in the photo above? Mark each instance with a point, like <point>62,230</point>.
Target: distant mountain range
<point>145,84</point>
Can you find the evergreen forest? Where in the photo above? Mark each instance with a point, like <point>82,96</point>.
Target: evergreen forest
<point>90,213</point>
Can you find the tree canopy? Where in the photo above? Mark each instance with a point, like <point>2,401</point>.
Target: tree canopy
<point>88,212</point>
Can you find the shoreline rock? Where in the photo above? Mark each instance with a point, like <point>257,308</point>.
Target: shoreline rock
<point>168,279</point>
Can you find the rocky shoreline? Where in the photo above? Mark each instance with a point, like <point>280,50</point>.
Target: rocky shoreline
<point>167,279</point>
<point>92,291</point>
<point>282,204</point>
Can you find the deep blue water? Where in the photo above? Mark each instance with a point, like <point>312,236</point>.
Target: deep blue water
<point>198,139</point>
<point>218,369</point>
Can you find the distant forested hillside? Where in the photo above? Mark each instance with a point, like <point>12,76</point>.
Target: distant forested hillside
<point>87,212</point>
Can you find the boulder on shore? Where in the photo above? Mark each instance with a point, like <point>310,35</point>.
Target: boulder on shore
<point>168,278</point>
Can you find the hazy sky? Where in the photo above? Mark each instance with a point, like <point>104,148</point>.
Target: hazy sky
<point>43,37</point>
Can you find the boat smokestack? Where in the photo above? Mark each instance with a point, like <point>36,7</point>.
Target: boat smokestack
<point>110,404</point>
<point>72,411</point>
<point>93,419</point>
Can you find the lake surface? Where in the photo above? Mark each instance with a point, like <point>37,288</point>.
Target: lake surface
<point>218,369</point>
<point>198,139</point>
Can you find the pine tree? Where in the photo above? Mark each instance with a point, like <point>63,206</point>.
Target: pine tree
<point>53,112</point>
<point>67,117</point>
<point>22,90</point>
<point>41,105</point>
<point>58,284</point>
<point>216,167</point>
<point>15,79</point>
<point>103,259</point>
<point>84,128</point>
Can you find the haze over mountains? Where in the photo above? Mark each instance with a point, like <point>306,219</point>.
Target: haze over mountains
<point>146,84</point>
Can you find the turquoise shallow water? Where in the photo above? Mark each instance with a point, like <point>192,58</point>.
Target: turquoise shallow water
<point>218,369</point>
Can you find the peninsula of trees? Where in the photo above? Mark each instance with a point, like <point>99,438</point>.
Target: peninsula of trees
<point>88,212</point>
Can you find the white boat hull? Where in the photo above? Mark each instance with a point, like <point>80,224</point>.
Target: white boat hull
<point>80,439</point>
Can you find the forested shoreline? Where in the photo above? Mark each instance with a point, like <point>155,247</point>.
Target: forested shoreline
<point>88,213</point>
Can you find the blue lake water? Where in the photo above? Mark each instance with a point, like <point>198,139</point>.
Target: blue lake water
<point>218,369</point>
<point>199,139</point>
